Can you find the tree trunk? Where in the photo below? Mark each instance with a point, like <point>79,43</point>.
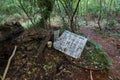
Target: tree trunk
<point>100,15</point>
<point>72,24</point>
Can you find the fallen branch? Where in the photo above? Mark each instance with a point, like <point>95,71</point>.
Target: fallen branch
<point>91,77</point>
<point>18,69</point>
<point>8,64</point>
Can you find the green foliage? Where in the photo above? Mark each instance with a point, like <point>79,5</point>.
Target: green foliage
<point>111,23</point>
<point>92,9</point>
<point>30,72</point>
<point>47,67</point>
<point>96,55</point>
<point>39,11</point>
<point>32,9</point>
<point>46,7</point>
<point>7,9</point>
<point>117,7</point>
<point>80,23</point>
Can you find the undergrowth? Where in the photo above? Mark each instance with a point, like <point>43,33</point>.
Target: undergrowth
<point>96,55</point>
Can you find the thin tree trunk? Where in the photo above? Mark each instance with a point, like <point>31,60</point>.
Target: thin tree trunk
<point>63,18</point>
<point>72,18</point>
<point>66,10</point>
<point>86,12</point>
<point>22,7</point>
<point>100,15</point>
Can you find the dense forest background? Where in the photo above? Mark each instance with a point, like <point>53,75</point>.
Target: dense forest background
<point>70,13</point>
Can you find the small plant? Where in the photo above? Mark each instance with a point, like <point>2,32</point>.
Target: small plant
<point>97,56</point>
<point>30,72</point>
<point>47,67</point>
<point>111,23</point>
<point>80,23</point>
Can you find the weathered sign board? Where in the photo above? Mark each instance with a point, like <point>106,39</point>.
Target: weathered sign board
<point>70,44</point>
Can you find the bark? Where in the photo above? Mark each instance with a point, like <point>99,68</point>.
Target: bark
<point>100,16</point>
<point>42,48</point>
<point>86,13</point>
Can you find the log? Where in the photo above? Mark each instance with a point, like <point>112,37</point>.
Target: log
<point>42,47</point>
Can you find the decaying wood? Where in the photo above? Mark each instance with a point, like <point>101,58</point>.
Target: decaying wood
<point>32,35</point>
<point>10,32</point>
<point>42,47</point>
<point>8,64</point>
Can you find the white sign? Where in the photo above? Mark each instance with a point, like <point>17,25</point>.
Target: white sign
<point>70,44</point>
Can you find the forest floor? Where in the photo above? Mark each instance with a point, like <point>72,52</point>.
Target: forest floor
<point>109,44</point>
<point>26,64</point>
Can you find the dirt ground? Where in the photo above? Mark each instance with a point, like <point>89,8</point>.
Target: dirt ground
<point>26,64</point>
<point>109,43</point>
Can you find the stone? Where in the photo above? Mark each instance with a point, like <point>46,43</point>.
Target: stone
<point>49,44</point>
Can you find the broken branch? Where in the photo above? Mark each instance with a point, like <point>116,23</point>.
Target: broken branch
<point>91,77</point>
<point>8,64</point>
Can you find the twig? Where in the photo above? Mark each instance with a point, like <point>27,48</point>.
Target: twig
<point>8,64</point>
<point>91,77</point>
<point>19,68</point>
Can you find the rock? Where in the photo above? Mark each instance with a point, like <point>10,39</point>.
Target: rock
<point>49,44</point>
